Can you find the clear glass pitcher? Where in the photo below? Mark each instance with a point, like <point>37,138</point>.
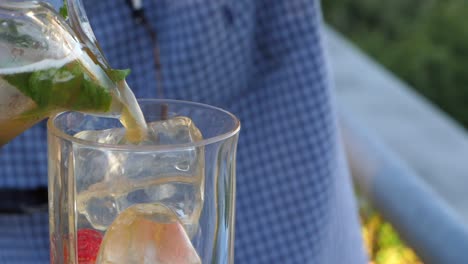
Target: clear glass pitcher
<point>48,65</point>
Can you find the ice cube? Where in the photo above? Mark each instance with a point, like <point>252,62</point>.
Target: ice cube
<point>177,130</point>
<point>108,136</point>
<point>109,181</point>
<point>147,233</point>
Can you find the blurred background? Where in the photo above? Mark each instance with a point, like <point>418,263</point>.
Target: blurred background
<point>400,71</point>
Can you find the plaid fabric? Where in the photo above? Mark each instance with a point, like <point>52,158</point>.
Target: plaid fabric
<point>24,238</point>
<point>263,60</point>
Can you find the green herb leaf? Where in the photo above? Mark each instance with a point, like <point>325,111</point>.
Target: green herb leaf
<point>118,75</point>
<point>92,96</point>
<point>69,87</point>
<point>64,10</point>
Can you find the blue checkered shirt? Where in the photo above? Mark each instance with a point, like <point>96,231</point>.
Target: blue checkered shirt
<point>264,61</point>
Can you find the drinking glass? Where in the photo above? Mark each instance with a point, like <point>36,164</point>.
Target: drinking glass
<point>168,199</point>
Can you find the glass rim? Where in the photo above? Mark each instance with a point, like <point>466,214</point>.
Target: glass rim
<point>54,130</point>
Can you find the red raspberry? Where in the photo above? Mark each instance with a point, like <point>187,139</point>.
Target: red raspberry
<point>89,241</point>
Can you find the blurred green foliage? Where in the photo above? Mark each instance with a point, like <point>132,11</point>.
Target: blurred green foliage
<point>383,243</point>
<point>424,42</point>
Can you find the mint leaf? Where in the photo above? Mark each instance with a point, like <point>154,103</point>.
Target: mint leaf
<point>92,96</point>
<point>69,87</point>
<point>64,10</point>
<point>40,87</point>
<point>21,82</point>
<point>118,75</point>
